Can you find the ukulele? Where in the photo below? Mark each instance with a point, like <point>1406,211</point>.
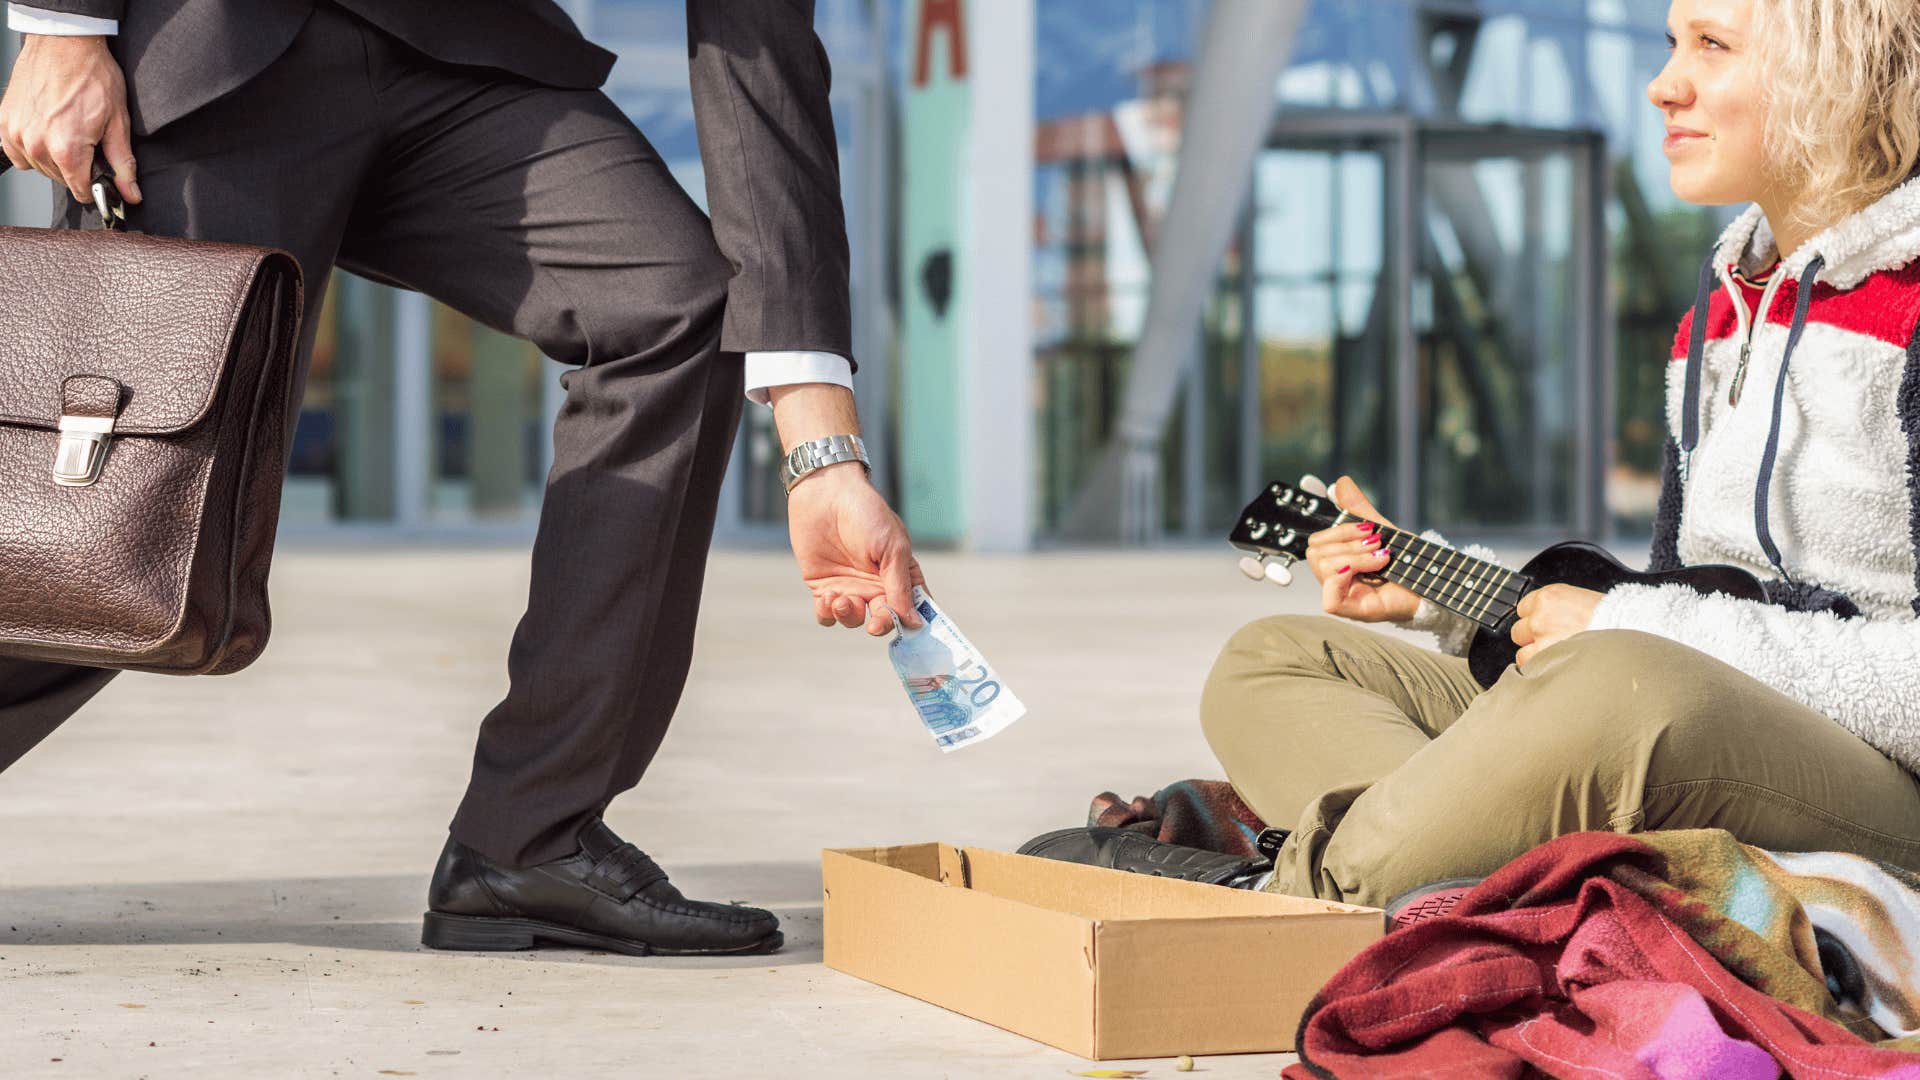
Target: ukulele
<point>1275,526</point>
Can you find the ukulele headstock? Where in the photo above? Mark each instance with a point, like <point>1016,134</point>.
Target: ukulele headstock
<point>1275,526</point>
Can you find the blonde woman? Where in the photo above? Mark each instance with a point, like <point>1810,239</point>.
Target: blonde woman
<point>1794,412</point>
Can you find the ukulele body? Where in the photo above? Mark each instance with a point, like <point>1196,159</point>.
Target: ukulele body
<point>1589,566</point>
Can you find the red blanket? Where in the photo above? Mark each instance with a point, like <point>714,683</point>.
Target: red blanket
<point>1555,967</point>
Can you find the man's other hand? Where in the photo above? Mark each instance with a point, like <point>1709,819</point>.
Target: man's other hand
<point>65,97</point>
<point>853,550</point>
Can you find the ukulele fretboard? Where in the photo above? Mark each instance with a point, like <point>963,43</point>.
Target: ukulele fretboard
<point>1474,588</point>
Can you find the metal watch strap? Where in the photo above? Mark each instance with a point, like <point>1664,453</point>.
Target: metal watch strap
<point>820,453</point>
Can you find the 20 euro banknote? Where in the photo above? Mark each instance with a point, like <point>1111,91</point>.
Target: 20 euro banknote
<point>958,695</point>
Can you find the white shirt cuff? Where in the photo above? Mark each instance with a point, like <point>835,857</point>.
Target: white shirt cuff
<point>769,369</point>
<point>33,20</point>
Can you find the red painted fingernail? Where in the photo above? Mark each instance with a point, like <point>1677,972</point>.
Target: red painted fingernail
<point>1368,527</point>
<point>1375,542</point>
<point>1344,569</point>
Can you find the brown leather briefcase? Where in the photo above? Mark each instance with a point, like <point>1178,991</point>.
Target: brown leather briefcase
<point>145,388</point>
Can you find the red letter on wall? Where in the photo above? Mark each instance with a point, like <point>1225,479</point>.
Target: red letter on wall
<point>947,13</point>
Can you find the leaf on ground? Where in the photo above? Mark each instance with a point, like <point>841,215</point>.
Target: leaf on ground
<point>1113,1074</point>
<point>131,1005</point>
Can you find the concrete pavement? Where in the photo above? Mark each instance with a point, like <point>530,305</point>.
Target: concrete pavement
<point>224,877</point>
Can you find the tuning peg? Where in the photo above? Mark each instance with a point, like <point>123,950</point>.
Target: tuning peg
<point>1268,568</point>
<point>1313,485</point>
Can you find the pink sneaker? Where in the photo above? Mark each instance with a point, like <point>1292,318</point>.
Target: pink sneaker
<point>1427,902</point>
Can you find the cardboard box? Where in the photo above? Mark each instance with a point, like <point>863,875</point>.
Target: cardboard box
<point>1101,963</point>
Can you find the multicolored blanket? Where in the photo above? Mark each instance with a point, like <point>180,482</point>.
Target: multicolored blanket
<point>1658,955</point>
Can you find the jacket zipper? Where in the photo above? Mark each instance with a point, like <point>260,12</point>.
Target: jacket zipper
<point>1748,325</point>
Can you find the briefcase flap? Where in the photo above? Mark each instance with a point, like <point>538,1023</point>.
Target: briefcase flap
<point>155,314</point>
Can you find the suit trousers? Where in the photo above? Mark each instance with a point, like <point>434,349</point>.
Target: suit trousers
<point>543,213</point>
<point>1394,769</point>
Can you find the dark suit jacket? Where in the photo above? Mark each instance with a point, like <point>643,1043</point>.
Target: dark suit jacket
<point>760,80</point>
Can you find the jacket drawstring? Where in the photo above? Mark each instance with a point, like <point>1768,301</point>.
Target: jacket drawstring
<point>1803,299</point>
<point>1696,353</point>
<point>1696,362</point>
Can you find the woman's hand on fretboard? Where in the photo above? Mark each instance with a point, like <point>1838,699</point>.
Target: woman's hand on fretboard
<point>1346,559</point>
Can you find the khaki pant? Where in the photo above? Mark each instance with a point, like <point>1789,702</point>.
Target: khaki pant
<point>1394,768</point>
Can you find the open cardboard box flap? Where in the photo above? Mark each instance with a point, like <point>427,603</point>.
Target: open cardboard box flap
<point>1098,962</point>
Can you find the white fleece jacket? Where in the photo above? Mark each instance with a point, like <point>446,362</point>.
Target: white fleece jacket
<point>1840,505</point>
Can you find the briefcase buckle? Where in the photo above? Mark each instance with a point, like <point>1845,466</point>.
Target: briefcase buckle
<point>83,449</point>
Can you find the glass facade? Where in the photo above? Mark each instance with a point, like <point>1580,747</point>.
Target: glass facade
<point>1457,275</point>
<point>474,436</point>
<point>1320,367</point>
<point>1548,261</point>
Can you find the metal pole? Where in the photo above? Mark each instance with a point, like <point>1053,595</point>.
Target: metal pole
<point>1531,297</point>
<point>872,310</point>
<point>1244,49</point>
<point>1193,451</point>
<point>1593,326</point>
<point>1406,243</point>
<point>413,442</point>
<point>1251,435</point>
<point>997,264</point>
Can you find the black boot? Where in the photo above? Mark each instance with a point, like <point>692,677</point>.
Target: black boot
<point>608,895</point>
<point>1120,849</point>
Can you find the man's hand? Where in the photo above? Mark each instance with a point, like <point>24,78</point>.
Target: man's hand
<point>852,550</point>
<point>67,96</point>
<point>1549,616</point>
<point>851,546</point>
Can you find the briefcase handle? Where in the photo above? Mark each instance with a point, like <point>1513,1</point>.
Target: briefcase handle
<point>106,195</point>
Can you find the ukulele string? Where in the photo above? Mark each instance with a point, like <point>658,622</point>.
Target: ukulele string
<point>1465,594</point>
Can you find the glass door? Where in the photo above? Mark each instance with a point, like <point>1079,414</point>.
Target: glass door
<point>1506,368</point>
<point>1426,303</point>
<point>1320,355</point>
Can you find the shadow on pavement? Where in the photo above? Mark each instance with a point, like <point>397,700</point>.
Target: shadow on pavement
<point>377,913</point>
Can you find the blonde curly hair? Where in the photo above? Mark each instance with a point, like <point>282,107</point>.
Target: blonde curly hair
<point>1843,99</point>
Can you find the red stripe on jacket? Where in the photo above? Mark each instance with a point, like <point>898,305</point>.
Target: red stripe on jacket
<point>1885,306</point>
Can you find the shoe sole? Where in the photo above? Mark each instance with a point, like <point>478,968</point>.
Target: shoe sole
<point>1429,901</point>
<point>475,933</point>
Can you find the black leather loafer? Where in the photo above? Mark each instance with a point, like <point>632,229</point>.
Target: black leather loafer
<point>1121,849</point>
<point>608,895</point>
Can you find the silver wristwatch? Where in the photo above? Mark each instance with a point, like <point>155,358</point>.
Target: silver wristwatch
<point>820,453</point>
